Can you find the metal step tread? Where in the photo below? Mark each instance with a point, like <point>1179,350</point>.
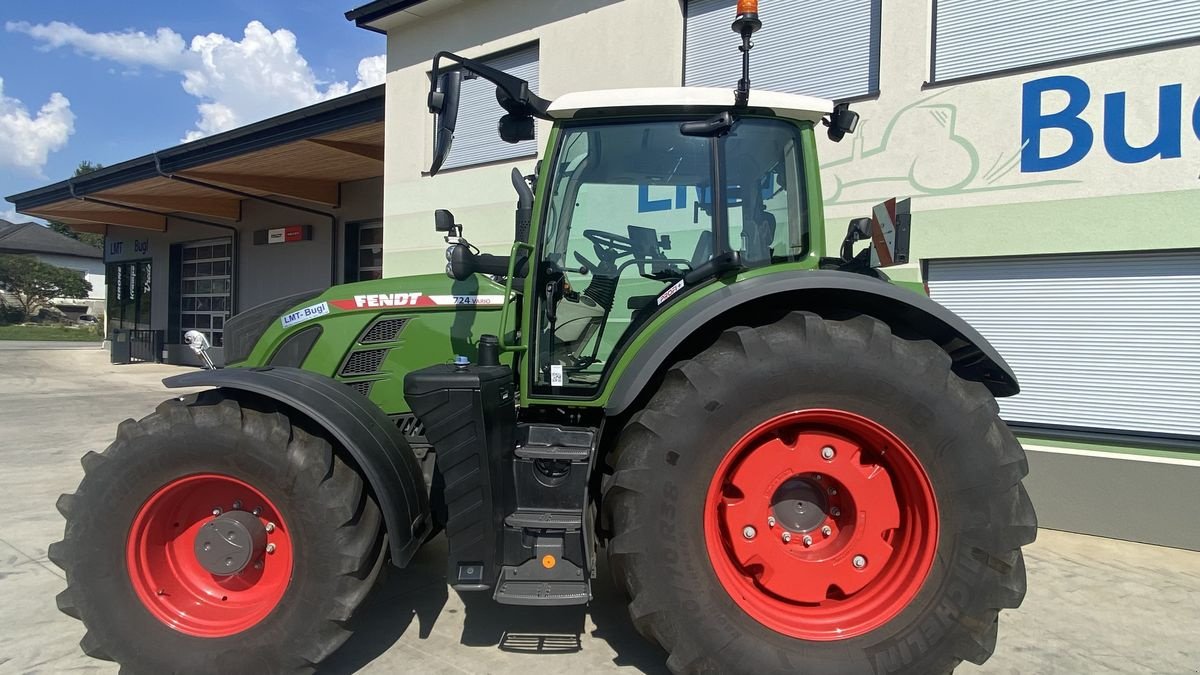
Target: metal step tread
<point>532,592</point>
<point>558,520</point>
<point>564,453</point>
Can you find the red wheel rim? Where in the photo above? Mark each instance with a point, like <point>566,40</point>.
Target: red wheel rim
<point>169,579</point>
<point>859,515</point>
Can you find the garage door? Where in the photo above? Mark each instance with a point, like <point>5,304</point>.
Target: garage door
<point>1099,342</point>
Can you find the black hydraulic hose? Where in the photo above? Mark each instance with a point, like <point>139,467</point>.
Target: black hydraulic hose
<point>333,247</point>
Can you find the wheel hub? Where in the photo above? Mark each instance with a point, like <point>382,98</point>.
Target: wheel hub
<point>821,524</point>
<point>229,542</point>
<point>799,505</point>
<point>204,570</point>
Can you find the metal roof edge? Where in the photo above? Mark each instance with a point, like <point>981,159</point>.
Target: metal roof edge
<point>350,110</point>
<point>373,11</point>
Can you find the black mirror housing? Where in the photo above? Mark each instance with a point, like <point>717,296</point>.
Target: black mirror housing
<point>443,103</point>
<point>443,221</point>
<point>842,121</point>
<point>515,128</point>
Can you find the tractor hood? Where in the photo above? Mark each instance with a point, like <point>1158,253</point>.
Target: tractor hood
<point>256,336</point>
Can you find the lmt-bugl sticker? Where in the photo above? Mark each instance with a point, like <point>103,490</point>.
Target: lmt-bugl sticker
<point>302,315</point>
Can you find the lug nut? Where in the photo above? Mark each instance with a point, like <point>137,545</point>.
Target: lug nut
<point>827,453</point>
<point>859,562</point>
<point>216,511</point>
<point>807,540</point>
<point>270,527</point>
<point>787,537</point>
<point>832,491</point>
<point>748,532</point>
<point>237,505</point>
<point>817,477</point>
<point>826,530</point>
<point>258,565</point>
<point>770,521</point>
<point>270,548</point>
<point>256,511</point>
<point>835,512</point>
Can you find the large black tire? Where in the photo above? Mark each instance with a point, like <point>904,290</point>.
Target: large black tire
<point>338,542</point>
<point>669,451</point>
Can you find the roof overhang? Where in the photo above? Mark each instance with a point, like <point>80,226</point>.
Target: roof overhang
<point>698,99</point>
<point>381,15</point>
<point>302,155</point>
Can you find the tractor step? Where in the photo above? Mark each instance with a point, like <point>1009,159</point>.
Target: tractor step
<point>545,520</point>
<point>547,579</point>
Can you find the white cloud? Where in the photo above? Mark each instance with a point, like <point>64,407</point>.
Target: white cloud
<point>10,214</point>
<point>25,139</point>
<point>236,81</point>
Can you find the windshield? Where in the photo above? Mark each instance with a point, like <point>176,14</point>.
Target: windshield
<point>630,212</point>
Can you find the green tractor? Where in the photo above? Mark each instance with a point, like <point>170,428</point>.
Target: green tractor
<point>792,464</point>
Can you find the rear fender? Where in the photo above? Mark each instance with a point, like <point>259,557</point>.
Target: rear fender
<point>828,293</point>
<point>377,446</point>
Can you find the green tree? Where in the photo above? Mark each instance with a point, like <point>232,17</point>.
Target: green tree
<point>34,283</point>
<point>89,238</point>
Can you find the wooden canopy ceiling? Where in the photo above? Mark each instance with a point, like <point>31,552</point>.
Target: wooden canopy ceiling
<point>307,170</point>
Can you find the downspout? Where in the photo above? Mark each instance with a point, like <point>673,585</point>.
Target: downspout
<point>333,239</point>
<point>233,230</point>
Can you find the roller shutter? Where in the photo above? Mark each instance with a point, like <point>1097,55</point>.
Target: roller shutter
<point>1106,342</point>
<point>973,37</point>
<point>813,47</point>
<point>476,140</point>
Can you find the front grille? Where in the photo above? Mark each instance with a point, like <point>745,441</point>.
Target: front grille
<point>364,362</point>
<point>383,330</point>
<point>363,388</point>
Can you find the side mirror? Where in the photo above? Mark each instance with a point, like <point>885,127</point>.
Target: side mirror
<point>443,221</point>
<point>841,121</point>
<point>443,103</point>
<point>516,128</point>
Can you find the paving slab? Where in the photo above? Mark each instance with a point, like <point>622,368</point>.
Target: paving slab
<point>1094,605</point>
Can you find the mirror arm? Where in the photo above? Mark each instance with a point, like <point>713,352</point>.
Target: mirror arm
<point>514,87</point>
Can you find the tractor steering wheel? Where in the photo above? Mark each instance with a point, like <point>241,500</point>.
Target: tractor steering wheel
<point>609,248</point>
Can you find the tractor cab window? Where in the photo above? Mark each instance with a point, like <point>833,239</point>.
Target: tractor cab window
<point>630,211</point>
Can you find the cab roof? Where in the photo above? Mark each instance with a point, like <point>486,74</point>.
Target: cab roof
<point>791,106</point>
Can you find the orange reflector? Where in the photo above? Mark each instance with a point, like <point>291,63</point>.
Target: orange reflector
<point>548,561</point>
<point>747,7</point>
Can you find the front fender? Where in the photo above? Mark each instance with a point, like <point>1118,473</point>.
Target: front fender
<point>377,446</point>
<point>910,315</point>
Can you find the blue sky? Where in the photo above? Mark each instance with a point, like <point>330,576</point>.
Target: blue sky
<point>108,81</point>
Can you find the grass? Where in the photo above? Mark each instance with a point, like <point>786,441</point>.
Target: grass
<point>35,332</point>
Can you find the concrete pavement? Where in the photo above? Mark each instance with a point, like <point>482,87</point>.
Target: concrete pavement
<point>1094,605</point>
<point>26,345</point>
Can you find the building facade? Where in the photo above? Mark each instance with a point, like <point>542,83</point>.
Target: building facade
<point>52,248</point>
<point>201,231</point>
<point>1050,149</point>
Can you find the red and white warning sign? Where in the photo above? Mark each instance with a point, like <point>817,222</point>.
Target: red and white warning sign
<point>889,233</point>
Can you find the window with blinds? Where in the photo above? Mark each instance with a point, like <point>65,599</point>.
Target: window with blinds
<point>976,38</point>
<point>812,47</point>
<point>476,140</point>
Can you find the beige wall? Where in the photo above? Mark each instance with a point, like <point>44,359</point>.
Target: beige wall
<point>583,44</point>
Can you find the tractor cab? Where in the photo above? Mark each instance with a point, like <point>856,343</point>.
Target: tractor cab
<point>646,194</point>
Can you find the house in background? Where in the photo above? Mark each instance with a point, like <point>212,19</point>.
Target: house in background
<point>55,249</point>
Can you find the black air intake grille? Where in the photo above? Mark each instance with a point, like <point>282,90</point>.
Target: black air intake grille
<point>383,330</point>
<point>409,425</point>
<point>364,362</point>
<point>363,388</point>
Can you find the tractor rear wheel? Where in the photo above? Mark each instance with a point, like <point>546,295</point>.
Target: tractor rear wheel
<point>819,496</point>
<point>213,536</point>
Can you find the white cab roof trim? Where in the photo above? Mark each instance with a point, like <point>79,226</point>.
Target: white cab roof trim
<point>792,106</point>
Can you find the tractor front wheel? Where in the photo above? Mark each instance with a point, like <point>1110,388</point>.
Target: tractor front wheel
<point>819,496</point>
<point>213,536</point>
